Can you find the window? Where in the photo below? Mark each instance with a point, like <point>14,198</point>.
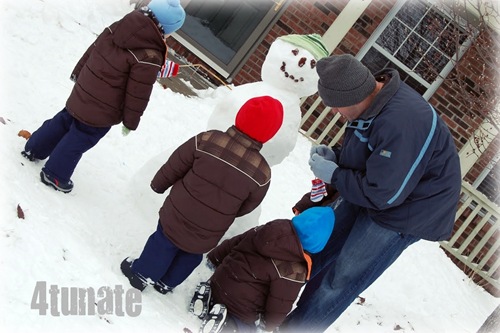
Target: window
<point>487,183</point>
<point>419,41</point>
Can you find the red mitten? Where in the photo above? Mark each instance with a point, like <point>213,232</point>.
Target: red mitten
<point>318,190</point>
<point>169,69</point>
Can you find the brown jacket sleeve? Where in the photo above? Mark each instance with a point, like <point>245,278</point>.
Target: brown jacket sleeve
<point>177,165</point>
<point>218,253</point>
<point>141,80</point>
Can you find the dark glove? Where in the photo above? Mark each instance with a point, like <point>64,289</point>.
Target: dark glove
<point>210,265</point>
<point>322,168</point>
<point>324,151</point>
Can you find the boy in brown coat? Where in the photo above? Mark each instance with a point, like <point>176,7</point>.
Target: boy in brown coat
<point>113,83</point>
<point>214,177</point>
<point>259,273</point>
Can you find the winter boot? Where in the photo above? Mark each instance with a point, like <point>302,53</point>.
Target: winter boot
<point>200,303</point>
<point>28,155</point>
<point>65,187</point>
<point>214,321</point>
<point>136,280</point>
<point>162,288</point>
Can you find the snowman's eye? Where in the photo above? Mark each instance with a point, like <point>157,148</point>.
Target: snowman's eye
<point>313,63</point>
<point>302,61</point>
<point>295,52</point>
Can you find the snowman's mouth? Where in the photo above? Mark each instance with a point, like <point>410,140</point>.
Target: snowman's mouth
<point>287,75</point>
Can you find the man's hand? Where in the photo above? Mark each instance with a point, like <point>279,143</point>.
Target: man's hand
<point>324,151</point>
<point>322,168</point>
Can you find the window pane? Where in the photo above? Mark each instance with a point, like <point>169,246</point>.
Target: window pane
<point>375,62</point>
<point>489,186</point>
<point>412,51</point>
<point>393,36</point>
<point>412,13</point>
<point>432,64</point>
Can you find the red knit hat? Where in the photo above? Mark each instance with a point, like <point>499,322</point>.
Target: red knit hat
<point>260,118</point>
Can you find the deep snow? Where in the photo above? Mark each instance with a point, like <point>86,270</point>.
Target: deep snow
<point>79,239</point>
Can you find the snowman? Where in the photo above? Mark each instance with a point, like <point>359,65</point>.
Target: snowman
<point>288,74</point>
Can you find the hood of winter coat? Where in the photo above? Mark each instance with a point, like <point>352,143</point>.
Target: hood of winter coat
<point>279,241</point>
<point>137,31</point>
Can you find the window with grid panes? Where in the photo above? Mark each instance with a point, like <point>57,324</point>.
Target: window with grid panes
<point>419,41</point>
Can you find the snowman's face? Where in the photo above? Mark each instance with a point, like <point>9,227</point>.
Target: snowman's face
<point>290,68</point>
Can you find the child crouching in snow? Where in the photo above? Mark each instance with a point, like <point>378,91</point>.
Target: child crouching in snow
<point>259,273</point>
<point>215,177</point>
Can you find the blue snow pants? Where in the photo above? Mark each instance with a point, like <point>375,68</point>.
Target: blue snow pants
<point>64,139</point>
<point>356,254</point>
<point>162,261</point>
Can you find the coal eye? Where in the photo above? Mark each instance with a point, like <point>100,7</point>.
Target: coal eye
<point>302,61</point>
<point>295,52</point>
<point>313,63</point>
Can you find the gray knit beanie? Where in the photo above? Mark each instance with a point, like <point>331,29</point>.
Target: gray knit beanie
<point>343,80</point>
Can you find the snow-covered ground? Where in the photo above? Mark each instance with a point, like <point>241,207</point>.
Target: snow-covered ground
<point>78,240</point>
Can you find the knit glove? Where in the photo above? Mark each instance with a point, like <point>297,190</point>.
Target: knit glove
<point>325,151</point>
<point>168,69</point>
<point>322,168</point>
<point>125,130</point>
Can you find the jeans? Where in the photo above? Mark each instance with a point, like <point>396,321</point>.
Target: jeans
<point>162,261</point>
<point>64,139</point>
<point>233,324</point>
<point>357,253</point>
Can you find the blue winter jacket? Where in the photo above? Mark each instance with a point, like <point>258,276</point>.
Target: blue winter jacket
<point>399,161</point>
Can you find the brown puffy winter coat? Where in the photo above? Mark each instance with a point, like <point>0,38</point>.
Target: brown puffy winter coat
<point>215,177</point>
<point>116,74</point>
<point>260,273</point>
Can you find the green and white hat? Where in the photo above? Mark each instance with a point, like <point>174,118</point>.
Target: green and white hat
<point>312,43</point>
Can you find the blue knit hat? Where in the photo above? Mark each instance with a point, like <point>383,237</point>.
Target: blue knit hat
<point>169,13</point>
<point>314,227</point>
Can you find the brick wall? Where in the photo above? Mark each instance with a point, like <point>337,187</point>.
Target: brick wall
<point>469,91</point>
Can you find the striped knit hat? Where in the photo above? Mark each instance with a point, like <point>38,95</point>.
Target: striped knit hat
<point>312,43</point>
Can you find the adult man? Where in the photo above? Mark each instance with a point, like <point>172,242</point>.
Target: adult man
<point>398,175</point>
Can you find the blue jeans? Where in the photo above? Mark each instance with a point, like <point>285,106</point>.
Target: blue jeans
<point>357,253</point>
<point>162,261</point>
<point>64,139</point>
<point>233,324</point>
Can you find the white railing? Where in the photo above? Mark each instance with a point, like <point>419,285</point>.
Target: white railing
<point>476,240</point>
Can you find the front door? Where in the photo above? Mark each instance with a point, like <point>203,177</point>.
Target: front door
<point>222,32</point>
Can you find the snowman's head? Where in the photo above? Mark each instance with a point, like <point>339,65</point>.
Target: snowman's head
<point>290,64</point>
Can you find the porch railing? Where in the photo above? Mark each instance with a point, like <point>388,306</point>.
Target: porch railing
<point>476,238</point>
